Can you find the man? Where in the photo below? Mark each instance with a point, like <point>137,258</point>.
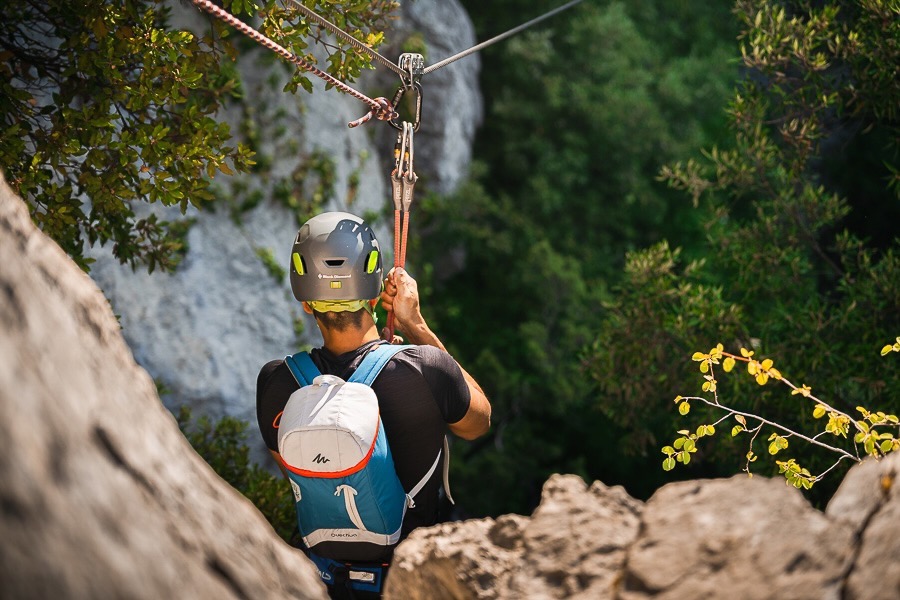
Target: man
<point>336,273</point>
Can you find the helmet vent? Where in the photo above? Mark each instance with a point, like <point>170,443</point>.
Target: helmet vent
<point>334,262</point>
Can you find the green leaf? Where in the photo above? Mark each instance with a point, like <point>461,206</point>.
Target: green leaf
<point>869,445</point>
<point>668,450</point>
<point>668,464</point>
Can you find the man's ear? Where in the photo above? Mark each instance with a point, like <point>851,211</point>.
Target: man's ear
<point>307,308</point>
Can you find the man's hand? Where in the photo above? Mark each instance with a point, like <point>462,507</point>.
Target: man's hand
<point>401,295</point>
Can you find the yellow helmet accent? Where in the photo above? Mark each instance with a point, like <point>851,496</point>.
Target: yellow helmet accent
<point>298,264</point>
<point>372,263</point>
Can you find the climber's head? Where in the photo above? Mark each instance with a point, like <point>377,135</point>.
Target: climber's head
<point>336,264</point>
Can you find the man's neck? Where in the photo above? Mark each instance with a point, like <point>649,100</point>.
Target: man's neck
<point>341,342</point>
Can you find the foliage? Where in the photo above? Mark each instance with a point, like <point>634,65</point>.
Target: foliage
<point>780,238</point>
<point>223,445</point>
<point>580,113</point>
<point>104,105</point>
<point>801,232</point>
<point>872,432</point>
<point>272,265</point>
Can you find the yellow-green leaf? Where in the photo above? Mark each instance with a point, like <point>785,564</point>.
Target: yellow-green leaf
<point>886,349</point>
<point>728,364</point>
<point>819,411</point>
<point>669,464</point>
<point>684,408</point>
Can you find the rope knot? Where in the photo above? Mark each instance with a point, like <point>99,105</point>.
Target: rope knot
<point>384,111</point>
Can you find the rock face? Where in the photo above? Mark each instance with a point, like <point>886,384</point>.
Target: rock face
<point>868,500</point>
<point>573,545</point>
<point>205,330</point>
<point>739,537</point>
<point>100,494</point>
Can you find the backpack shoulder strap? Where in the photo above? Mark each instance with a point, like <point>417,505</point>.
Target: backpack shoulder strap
<point>366,373</point>
<point>373,362</point>
<point>302,368</point>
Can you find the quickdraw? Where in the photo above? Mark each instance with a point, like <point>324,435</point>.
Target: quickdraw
<point>403,182</point>
<point>410,68</point>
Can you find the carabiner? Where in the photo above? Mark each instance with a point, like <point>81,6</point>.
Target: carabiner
<point>413,66</point>
<point>398,95</point>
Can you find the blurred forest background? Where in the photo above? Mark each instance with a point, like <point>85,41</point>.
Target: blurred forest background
<point>653,177</point>
<point>643,192</point>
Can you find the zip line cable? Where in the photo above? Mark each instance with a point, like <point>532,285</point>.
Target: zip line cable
<point>346,37</point>
<point>381,108</point>
<point>410,69</point>
<point>497,38</point>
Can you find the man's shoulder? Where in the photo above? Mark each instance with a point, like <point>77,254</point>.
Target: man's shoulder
<point>428,354</point>
<point>269,369</point>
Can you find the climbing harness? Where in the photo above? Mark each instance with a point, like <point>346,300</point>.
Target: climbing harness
<point>411,69</point>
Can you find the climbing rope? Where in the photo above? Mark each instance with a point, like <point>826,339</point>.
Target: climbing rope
<point>381,108</point>
<point>403,182</point>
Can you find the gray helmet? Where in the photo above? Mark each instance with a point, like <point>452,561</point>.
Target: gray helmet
<point>335,257</point>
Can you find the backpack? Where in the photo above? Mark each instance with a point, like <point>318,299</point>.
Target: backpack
<point>350,503</point>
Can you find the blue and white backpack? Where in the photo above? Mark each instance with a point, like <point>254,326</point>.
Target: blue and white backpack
<point>340,467</point>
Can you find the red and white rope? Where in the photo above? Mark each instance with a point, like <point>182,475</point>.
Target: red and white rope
<point>380,107</point>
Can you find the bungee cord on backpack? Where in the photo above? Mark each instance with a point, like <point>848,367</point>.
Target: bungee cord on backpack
<point>410,68</point>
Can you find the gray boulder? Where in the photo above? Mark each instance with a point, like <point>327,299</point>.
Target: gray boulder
<point>739,537</point>
<point>572,546</point>
<point>869,501</point>
<point>747,538</point>
<point>100,494</point>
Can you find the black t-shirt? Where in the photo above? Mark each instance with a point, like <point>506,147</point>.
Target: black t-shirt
<point>419,390</point>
